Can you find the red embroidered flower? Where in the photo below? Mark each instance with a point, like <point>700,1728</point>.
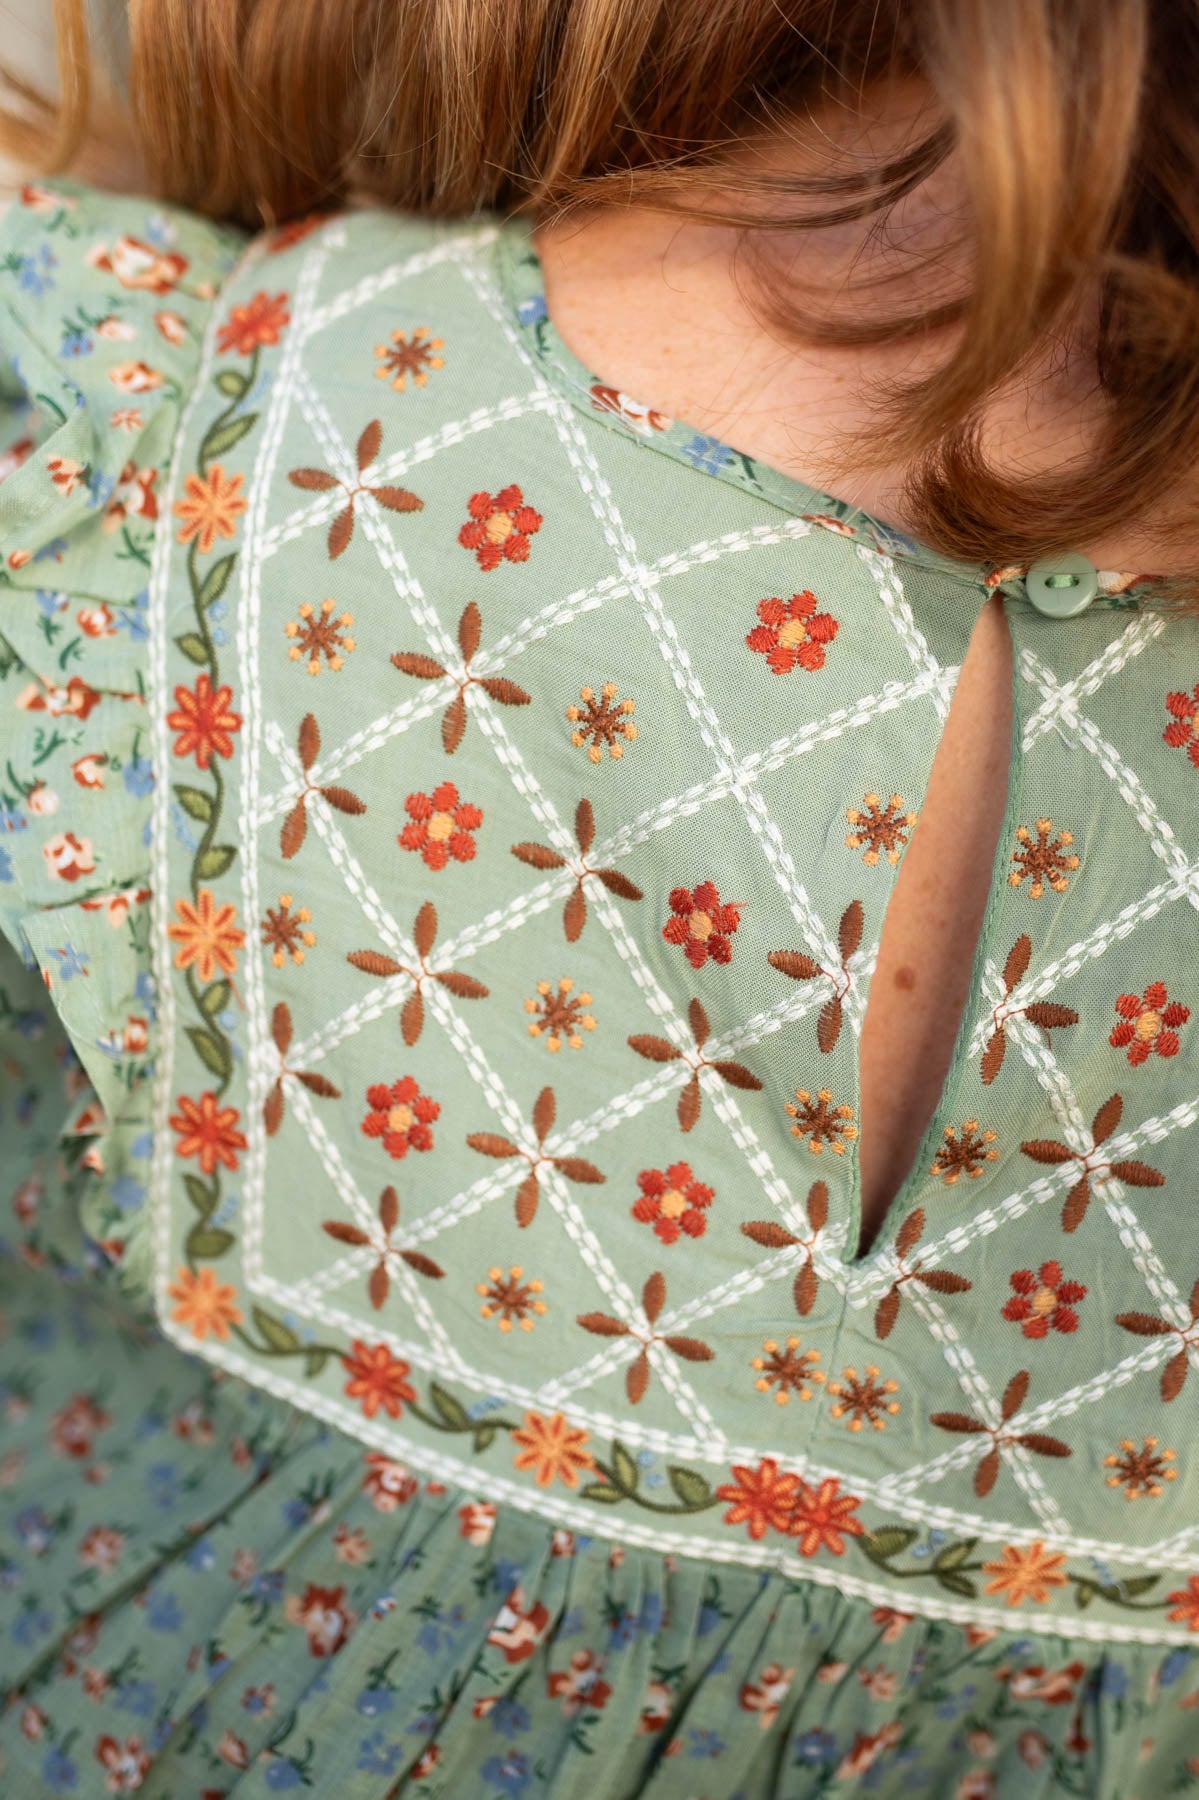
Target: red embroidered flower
<point>1044,1302</point>
<point>441,827</point>
<point>792,633</point>
<point>499,527</point>
<point>1147,1023</point>
<point>204,721</point>
<point>701,924</point>
<point>208,1130</point>
<point>377,1379</point>
<point>1184,709</point>
<point>258,322</point>
<point>762,1498</point>
<point>672,1201</point>
<point>821,1518</point>
<point>401,1115</point>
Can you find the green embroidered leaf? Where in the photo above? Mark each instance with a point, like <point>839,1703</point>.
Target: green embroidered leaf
<point>279,1336</point>
<point>207,1241</point>
<point>1136,1585</point>
<point>195,802</point>
<point>193,646</point>
<point>450,1410</point>
<point>315,1361</point>
<point>888,1541</point>
<point>231,382</point>
<point>220,439</point>
<point>200,1195</point>
<point>954,1555</point>
<point>212,1051</point>
<point>214,861</point>
<point>953,1583</point>
<point>215,999</point>
<point>216,581</point>
<point>690,1487</point>
<point>624,1467</point>
<point>603,1492</point>
<point>1084,1592</point>
<point>484,1438</point>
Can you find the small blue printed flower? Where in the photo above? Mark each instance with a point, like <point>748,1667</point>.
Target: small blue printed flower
<point>138,777</point>
<point>6,872</point>
<point>510,1773</point>
<point>76,343</point>
<point>373,1702</point>
<point>127,1194</point>
<point>35,276</point>
<point>71,962</point>
<point>532,310</point>
<point>707,454</point>
<point>11,818</point>
<point>51,602</point>
<point>59,1772</point>
<point>376,1757</point>
<point>508,1717</point>
<point>815,1746</point>
<point>163,1612</point>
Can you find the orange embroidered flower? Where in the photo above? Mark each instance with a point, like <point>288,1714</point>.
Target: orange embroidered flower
<point>258,322</point>
<point>792,634</point>
<point>762,1498</point>
<point>401,1115</point>
<point>499,527</point>
<point>205,721</point>
<point>1026,1574</point>
<point>1044,1302</point>
<point>206,935</point>
<point>1184,729</point>
<point>1186,1604</point>
<point>208,1130</point>
<point>210,508</point>
<point>554,1448</point>
<point>204,1303</point>
<point>442,826</point>
<point>701,924</point>
<point>377,1379</point>
<point>1148,1023</point>
<point>822,1518</point>
<point>672,1201</point>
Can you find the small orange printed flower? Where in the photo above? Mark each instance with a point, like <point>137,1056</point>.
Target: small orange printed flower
<point>205,721</point>
<point>1148,1023</point>
<point>499,527</point>
<point>442,826</point>
<point>673,1201</point>
<point>377,1379</point>
<point>1026,1574</point>
<point>257,323</point>
<point>554,1448</point>
<point>1183,730</point>
<point>702,924</point>
<point>401,1115</point>
<point>207,936</point>
<point>792,634</point>
<point>762,1498</point>
<point>822,1518</point>
<point>208,1131</point>
<point>204,1304</point>
<point>210,508</point>
<point>1186,1604</point>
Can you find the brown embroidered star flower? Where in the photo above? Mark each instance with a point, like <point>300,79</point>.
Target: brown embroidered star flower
<point>864,1399</point>
<point>320,1085</point>
<point>287,933</point>
<point>295,825</point>
<point>884,830</point>
<point>413,356</point>
<point>788,1369</point>
<point>821,1122</point>
<point>427,668</point>
<point>559,1014</point>
<point>1175,1371</point>
<point>603,719</point>
<point>1141,1472</point>
<point>320,634</point>
<point>965,1155</point>
<point>1043,860</point>
<point>512,1297</point>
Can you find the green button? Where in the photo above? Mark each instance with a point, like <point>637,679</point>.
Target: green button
<point>1063,588</point>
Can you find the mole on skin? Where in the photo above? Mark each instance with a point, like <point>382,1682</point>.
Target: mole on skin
<point>905,978</point>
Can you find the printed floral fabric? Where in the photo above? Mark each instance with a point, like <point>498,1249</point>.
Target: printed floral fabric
<point>448,815</point>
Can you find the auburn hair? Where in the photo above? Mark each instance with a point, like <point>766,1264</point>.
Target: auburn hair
<point>1074,125</point>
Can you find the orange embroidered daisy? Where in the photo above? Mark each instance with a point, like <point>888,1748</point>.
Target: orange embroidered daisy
<point>1025,1574</point>
<point>207,936</point>
<point>822,1518</point>
<point>1186,1604</point>
<point>258,322</point>
<point>204,1304</point>
<point>205,721</point>
<point>377,1379</point>
<point>208,1131</point>
<point>554,1448</point>
<point>210,508</point>
<point>762,1498</point>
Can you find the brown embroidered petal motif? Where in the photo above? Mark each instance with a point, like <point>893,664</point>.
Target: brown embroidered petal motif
<point>395,499</point>
<point>572,1168</point>
<point>659,1049</point>
<point>653,1299</point>
<point>295,825</point>
<point>274,1105</point>
<point>1174,1373</point>
<point>773,1236</point>
<point>1047,1016</point>
<point>1049,1150</point>
<point>383,968</point>
<point>801,967</point>
<point>379,1283</point>
<point>540,856</point>
<point>427,668</point>
<point>1038,1442</point>
<point>939,1281</point>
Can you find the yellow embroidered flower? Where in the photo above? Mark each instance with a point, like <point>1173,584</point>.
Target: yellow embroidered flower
<point>1025,1574</point>
<point>207,936</point>
<point>554,1448</point>
<point>204,1303</point>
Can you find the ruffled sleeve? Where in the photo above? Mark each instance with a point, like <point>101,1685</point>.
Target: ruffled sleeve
<point>104,301</point>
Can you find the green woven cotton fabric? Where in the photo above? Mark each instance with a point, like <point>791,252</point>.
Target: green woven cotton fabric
<point>450,812</point>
